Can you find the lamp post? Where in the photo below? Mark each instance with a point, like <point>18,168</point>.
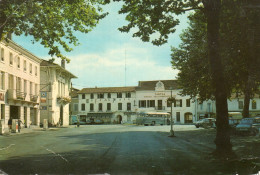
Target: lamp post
<point>171,131</point>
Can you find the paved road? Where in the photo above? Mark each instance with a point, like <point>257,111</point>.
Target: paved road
<point>112,149</point>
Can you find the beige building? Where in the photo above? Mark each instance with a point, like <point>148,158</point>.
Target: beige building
<point>54,97</point>
<point>19,84</point>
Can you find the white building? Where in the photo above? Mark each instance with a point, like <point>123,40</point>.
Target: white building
<point>123,104</point>
<point>152,97</point>
<point>111,104</point>
<point>235,105</point>
<point>55,88</point>
<point>19,84</point>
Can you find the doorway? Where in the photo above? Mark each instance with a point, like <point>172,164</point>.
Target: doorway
<point>119,119</point>
<point>14,112</point>
<point>160,105</point>
<point>61,115</point>
<point>188,117</point>
<point>25,116</point>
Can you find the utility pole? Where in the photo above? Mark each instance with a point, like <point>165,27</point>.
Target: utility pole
<point>171,131</point>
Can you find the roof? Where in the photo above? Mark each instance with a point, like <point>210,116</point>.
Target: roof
<point>46,63</point>
<point>150,85</point>
<point>107,90</point>
<point>11,43</point>
<point>73,93</point>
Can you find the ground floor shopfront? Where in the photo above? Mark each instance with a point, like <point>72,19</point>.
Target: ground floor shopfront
<point>28,114</point>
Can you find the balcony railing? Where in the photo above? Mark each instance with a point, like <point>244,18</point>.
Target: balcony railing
<point>159,108</point>
<point>15,94</point>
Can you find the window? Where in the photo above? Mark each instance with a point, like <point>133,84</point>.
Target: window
<point>108,106</point>
<point>119,106</point>
<point>11,58</point>
<point>18,62</point>
<point>83,96</point>
<point>187,102</point>
<point>100,107</point>
<point>168,103</point>
<point>128,106</point>
<point>2,54</point>
<point>25,86</point>
<point>30,68</point>
<point>30,88</point>
<point>91,107</point>
<point>178,103</point>
<point>201,106</point>
<point>92,96</point>
<point>178,116</point>
<point>119,95</point>
<point>24,65</point>
<point>240,104</point>
<point>209,107</point>
<point>2,80</point>
<point>150,103</point>
<point>108,95</point>
<point>100,95</point>
<point>75,107</point>
<point>142,104</point>
<point>253,104</point>
<point>36,89</point>
<point>82,107</point>
<point>128,95</point>
<point>36,71</point>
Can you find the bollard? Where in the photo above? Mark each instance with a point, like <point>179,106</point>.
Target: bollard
<point>14,125</point>
<point>2,126</point>
<point>45,124</point>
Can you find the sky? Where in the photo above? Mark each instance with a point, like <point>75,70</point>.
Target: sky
<point>108,58</point>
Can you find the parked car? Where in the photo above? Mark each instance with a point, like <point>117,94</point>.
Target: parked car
<point>205,123</point>
<point>99,121</point>
<point>248,126</point>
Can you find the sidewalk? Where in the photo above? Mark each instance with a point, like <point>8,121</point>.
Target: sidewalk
<point>29,130</point>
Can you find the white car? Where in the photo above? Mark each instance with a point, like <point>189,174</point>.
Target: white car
<point>205,123</point>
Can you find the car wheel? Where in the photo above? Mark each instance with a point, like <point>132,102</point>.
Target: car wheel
<point>197,126</point>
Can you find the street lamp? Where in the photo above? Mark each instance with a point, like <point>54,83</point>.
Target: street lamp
<point>171,131</point>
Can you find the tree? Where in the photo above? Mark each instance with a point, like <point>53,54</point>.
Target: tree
<point>51,23</point>
<point>158,17</point>
<point>190,57</point>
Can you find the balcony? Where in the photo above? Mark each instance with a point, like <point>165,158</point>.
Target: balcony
<point>64,100</point>
<point>159,108</point>
<point>14,94</point>
<point>33,98</point>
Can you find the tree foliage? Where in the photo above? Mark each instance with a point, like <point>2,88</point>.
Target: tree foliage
<point>52,23</point>
<point>191,56</point>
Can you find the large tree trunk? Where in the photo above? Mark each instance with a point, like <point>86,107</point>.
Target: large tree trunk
<point>222,141</point>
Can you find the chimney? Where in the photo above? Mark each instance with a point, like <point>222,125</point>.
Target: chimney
<point>9,35</point>
<point>63,63</point>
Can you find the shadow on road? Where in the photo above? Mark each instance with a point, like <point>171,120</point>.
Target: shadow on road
<point>133,153</point>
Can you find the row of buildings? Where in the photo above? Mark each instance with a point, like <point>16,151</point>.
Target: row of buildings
<point>124,104</point>
<point>32,89</point>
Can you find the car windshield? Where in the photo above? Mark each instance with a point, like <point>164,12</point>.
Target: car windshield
<point>246,121</point>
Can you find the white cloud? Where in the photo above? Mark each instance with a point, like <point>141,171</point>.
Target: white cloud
<point>108,68</point>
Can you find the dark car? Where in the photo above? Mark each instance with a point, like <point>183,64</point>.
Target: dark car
<point>205,123</point>
<point>248,126</point>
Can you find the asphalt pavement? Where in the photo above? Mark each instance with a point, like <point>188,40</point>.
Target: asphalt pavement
<point>113,149</point>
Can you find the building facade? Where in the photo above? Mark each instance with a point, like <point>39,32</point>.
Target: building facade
<point>19,84</point>
<point>124,104</point>
<point>54,97</point>
<point>110,105</point>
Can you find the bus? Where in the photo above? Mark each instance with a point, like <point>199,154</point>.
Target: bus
<point>153,118</point>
